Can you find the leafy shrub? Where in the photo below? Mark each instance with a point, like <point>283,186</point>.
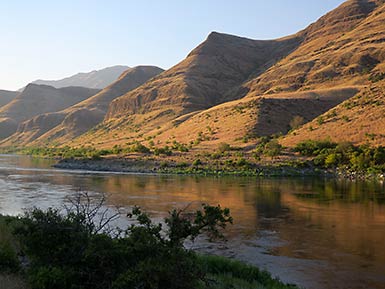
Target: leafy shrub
<point>224,147</point>
<point>197,162</point>
<point>273,148</point>
<point>163,151</point>
<point>331,155</point>
<point>313,147</point>
<point>139,148</point>
<point>68,251</point>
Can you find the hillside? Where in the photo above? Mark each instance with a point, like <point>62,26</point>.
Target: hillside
<point>204,79</point>
<point>233,89</point>
<point>359,120</point>
<point>7,96</point>
<point>331,61</point>
<point>344,47</point>
<point>66,124</point>
<point>38,99</point>
<point>94,79</point>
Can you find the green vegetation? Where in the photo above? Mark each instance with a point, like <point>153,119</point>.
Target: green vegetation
<point>267,146</point>
<point>79,249</point>
<point>296,122</point>
<point>327,154</point>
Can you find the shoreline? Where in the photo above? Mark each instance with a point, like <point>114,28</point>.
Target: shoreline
<point>130,165</point>
<point>124,165</point>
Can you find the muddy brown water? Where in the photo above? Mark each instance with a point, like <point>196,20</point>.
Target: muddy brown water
<point>314,232</point>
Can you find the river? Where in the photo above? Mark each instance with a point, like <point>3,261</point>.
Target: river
<point>314,232</point>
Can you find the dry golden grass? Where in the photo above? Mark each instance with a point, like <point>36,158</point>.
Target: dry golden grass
<point>230,88</point>
<point>359,120</point>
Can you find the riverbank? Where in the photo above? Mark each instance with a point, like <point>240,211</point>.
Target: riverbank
<point>277,168</point>
<point>227,167</point>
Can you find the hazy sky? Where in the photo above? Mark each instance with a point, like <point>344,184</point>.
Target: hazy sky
<point>54,39</point>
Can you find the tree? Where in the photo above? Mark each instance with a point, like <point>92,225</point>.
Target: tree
<point>273,148</point>
<point>296,122</point>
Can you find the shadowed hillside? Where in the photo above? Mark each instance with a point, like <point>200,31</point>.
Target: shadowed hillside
<point>38,99</point>
<point>205,77</point>
<point>358,120</point>
<point>345,47</point>
<point>7,96</point>
<point>74,120</point>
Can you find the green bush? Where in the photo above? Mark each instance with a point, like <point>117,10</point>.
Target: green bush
<point>163,151</point>
<point>8,253</point>
<point>139,148</point>
<point>331,155</point>
<point>68,251</point>
<point>273,148</point>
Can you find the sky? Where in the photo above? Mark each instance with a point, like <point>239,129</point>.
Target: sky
<point>45,39</point>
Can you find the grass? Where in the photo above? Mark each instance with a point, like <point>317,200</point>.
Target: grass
<point>226,273</point>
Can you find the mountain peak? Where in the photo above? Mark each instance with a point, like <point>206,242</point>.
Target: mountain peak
<point>98,79</point>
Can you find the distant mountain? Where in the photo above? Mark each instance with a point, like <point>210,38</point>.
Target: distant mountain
<point>95,79</point>
<point>7,96</point>
<point>38,99</point>
<point>68,123</point>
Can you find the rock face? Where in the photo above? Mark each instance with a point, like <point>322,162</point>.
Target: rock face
<point>7,96</point>
<point>38,99</point>
<point>95,79</point>
<point>72,121</point>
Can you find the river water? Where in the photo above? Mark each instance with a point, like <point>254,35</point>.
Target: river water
<point>317,233</point>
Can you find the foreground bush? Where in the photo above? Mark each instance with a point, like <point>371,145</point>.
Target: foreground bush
<point>78,250</point>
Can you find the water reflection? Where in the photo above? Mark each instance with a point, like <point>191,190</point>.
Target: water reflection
<point>319,233</point>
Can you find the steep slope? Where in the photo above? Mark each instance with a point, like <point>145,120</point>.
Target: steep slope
<point>63,125</point>
<point>38,99</point>
<point>358,120</point>
<point>205,77</point>
<point>95,79</point>
<point>267,83</point>
<point>7,96</point>
<point>240,121</point>
<point>344,47</point>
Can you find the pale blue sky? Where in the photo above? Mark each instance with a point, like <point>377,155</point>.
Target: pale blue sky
<point>53,39</point>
